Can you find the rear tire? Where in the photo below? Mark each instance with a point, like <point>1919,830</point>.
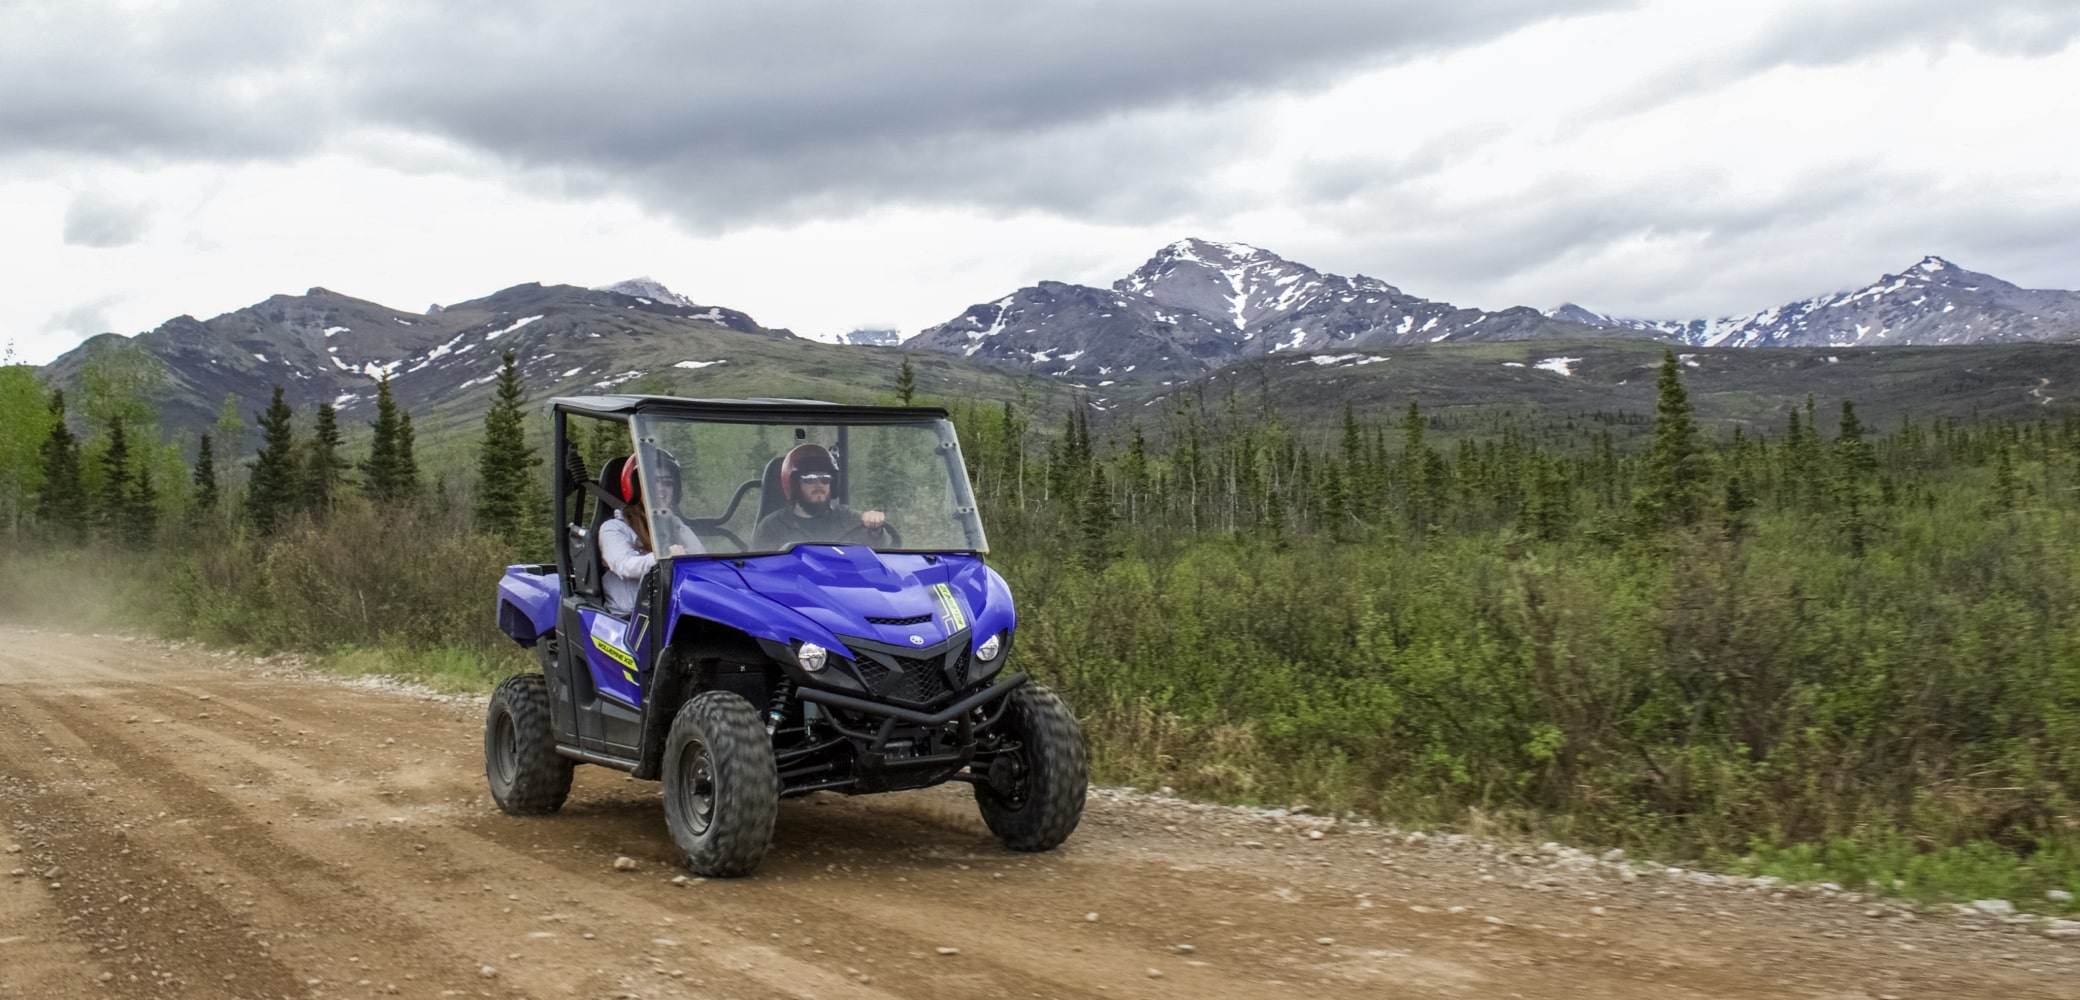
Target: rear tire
<point>527,776</point>
<point>1039,804</point>
<point>721,785</point>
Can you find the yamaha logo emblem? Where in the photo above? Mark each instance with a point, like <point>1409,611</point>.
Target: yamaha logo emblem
<point>917,640</point>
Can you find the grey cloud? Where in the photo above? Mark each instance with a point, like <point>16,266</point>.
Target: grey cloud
<point>1827,34</point>
<point>82,320</point>
<point>1723,251</point>
<point>1822,34</point>
<point>99,220</point>
<point>213,79</point>
<point>720,112</point>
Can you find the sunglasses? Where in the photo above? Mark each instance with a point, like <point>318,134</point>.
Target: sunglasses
<point>815,477</point>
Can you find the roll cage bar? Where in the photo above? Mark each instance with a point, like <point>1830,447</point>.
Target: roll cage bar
<point>624,407</point>
<point>755,410</point>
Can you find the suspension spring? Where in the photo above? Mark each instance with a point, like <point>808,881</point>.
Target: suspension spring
<point>776,710</point>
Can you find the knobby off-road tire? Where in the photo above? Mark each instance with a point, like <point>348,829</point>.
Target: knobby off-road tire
<point>528,777</point>
<point>721,785</point>
<point>1055,774</point>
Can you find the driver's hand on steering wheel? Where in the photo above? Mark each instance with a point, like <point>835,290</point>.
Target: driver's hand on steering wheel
<point>678,550</point>
<point>873,520</point>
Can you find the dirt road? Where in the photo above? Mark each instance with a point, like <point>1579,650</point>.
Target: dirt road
<point>190,825</point>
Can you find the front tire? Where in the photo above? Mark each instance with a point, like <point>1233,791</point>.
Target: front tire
<point>527,776</point>
<point>1034,796</point>
<point>721,785</point>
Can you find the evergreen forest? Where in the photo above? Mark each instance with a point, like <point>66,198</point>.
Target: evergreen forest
<point>1826,650</point>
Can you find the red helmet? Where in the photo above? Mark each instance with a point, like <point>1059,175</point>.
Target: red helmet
<point>804,458</point>
<point>632,479</point>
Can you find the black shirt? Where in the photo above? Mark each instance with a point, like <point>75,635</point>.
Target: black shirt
<point>784,527</point>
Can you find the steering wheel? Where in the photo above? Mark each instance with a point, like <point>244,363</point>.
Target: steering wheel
<point>860,534</point>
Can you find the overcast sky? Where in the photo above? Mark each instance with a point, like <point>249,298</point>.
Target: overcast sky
<point>828,165</point>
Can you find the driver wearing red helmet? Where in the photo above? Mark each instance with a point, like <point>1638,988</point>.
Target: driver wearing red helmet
<point>807,475</point>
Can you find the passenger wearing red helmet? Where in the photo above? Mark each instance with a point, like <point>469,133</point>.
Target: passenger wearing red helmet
<point>625,545</point>
<point>807,476</point>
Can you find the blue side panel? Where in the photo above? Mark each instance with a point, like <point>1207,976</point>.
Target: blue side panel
<point>526,604</point>
<point>613,664</point>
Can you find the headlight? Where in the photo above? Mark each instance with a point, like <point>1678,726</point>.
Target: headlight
<point>810,656</point>
<point>990,648</point>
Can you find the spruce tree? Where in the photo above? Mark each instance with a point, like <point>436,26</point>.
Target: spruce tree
<point>389,473</point>
<point>205,476</point>
<point>906,382</point>
<point>1677,466</point>
<point>324,468</point>
<point>141,522</point>
<point>1414,471</point>
<point>1852,452</point>
<point>1358,475</point>
<point>273,492</point>
<point>1335,498</point>
<point>61,503</point>
<point>2007,489</point>
<point>378,471</point>
<point>1133,474</point>
<point>505,462</point>
<point>407,466</point>
<point>1855,463</point>
<point>112,507</point>
<point>1098,516</point>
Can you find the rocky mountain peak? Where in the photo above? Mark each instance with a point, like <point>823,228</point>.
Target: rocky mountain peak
<point>1198,304</point>
<point>1933,301</point>
<point>647,287</point>
<point>1234,284</point>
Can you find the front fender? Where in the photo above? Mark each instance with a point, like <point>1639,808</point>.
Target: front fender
<point>710,590</point>
<point>988,596</point>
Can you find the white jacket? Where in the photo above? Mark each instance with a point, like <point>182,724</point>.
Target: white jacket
<point>626,562</point>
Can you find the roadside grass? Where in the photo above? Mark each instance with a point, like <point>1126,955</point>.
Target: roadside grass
<point>1893,864</point>
<point>446,669</point>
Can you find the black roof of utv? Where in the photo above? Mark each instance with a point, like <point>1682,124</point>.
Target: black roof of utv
<point>759,410</point>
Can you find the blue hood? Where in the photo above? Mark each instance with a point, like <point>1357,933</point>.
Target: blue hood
<point>896,598</point>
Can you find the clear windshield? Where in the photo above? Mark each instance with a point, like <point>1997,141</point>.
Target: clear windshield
<point>718,487</point>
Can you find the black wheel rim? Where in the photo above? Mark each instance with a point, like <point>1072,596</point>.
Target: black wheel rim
<point>505,741</point>
<point>696,787</point>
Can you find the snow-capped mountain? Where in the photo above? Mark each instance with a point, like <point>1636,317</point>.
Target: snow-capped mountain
<point>647,287</point>
<point>1932,302</point>
<point>322,346</point>
<point>1198,305</point>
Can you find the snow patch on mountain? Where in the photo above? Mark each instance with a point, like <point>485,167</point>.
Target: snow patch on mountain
<point>516,324</point>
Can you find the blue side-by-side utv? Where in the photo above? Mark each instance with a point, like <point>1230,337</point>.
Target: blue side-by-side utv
<point>756,599</point>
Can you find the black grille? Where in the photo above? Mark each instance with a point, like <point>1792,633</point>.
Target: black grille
<point>872,673</point>
<point>912,620</point>
<point>921,681</point>
<point>960,669</point>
